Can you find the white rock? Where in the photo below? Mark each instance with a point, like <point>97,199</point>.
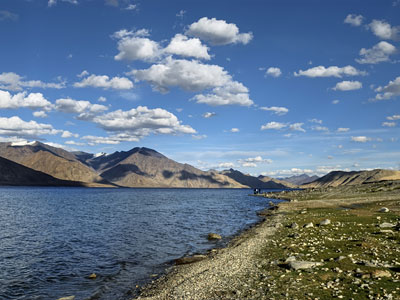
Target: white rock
<point>325,222</point>
<point>386,225</point>
<point>384,210</point>
<point>303,265</point>
<point>308,225</point>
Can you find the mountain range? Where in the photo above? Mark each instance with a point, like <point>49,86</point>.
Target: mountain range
<point>37,163</point>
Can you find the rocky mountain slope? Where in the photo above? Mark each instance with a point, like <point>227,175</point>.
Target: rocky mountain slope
<point>54,161</point>
<point>285,183</point>
<point>15,174</point>
<point>341,178</point>
<point>253,182</point>
<point>300,179</point>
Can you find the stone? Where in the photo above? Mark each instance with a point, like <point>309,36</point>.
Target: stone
<point>303,265</point>
<point>384,210</point>
<point>278,225</point>
<point>189,259</point>
<point>67,298</point>
<point>308,225</point>
<point>387,225</point>
<point>92,276</point>
<point>380,273</point>
<point>325,222</point>
<point>214,236</point>
<point>290,258</point>
<point>294,225</point>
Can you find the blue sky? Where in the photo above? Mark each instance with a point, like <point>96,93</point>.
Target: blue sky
<point>266,87</point>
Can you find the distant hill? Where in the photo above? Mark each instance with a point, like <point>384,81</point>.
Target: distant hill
<point>56,162</point>
<point>340,178</point>
<point>279,181</point>
<point>144,167</point>
<point>300,179</point>
<point>14,174</point>
<point>253,182</point>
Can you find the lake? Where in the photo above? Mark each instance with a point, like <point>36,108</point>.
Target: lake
<point>52,239</point>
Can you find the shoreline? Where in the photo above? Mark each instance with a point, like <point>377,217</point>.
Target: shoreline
<point>254,266</point>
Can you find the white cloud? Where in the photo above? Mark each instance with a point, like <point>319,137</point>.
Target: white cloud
<point>391,90</point>
<point>332,71</point>
<point>317,121</point>
<point>384,30</point>
<point>209,115</point>
<point>249,165</point>
<point>189,47</point>
<point>343,129</point>
<point>39,114</point>
<point>354,20</point>
<point>256,159</point>
<point>297,127</point>
<point>360,139</point>
<point>83,74</point>
<point>233,93</point>
<point>54,2</point>
<point>273,125</point>
<point>181,13</point>
<point>141,121</point>
<point>218,32</point>
<point>112,140</point>
<point>234,130</point>
<point>188,75</point>
<point>84,109</point>
<point>131,7</point>
<point>67,134</point>
<point>273,71</point>
<point>389,124</point>
<point>335,101</point>
<point>393,118</point>
<point>102,99</point>
<point>32,100</point>
<point>74,143</point>
<point>199,137</point>
<point>226,165</point>
<point>16,127</point>
<point>135,46</point>
<point>378,53</point>
<point>347,86</point>
<point>320,128</point>
<point>288,172</point>
<point>6,15</point>
<point>280,111</point>
<point>105,82</point>
<point>14,82</point>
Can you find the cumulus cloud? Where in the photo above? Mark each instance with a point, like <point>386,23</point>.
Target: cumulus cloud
<point>332,71</point>
<point>67,134</point>
<point>234,130</point>
<point>226,165</point>
<point>16,127</point>
<point>361,139</point>
<point>6,15</point>
<point>32,100</point>
<point>343,129</point>
<point>378,53</point>
<point>84,109</point>
<point>384,30</point>
<point>253,161</point>
<point>317,121</point>
<point>39,114</point>
<point>320,128</point>
<point>134,45</point>
<point>233,93</point>
<point>393,118</point>
<point>218,32</point>
<point>273,71</point>
<point>189,47</point>
<point>389,124</point>
<point>297,127</point>
<point>141,121</point>
<point>105,82</point>
<point>354,20</point>
<point>288,172</point>
<point>273,125</point>
<point>278,110</point>
<point>209,115</point>
<point>391,90</point>
<point>347,86</point>
<point>102,99</point>
<point>14,82</point>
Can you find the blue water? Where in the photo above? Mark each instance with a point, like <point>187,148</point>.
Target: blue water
<point>52,239</point>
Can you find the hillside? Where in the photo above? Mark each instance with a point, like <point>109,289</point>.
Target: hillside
<point>15,174</point>
<point>287,184</point>
<point>300,179</point>
<point>54,161</point>
<point>143,167</point>
<point>253,182</point>
<point>341,178</point>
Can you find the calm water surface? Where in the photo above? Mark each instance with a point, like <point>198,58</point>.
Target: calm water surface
<point>52,239</point>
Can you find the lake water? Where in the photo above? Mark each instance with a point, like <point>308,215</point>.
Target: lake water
<point>52,239</point>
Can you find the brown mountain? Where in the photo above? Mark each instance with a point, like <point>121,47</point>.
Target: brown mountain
<point>143,167</point>
<point>252,181</point>
<point>340,178</point>
<point>300,179</point>
<point>15,174</point>
<point>285,183</point>
<point>54,161</point>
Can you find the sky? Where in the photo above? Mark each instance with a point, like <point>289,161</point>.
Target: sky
<point>277,88</point>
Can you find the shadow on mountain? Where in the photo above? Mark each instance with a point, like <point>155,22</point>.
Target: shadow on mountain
<point>121,171</point>
<point>167,174</point>
<point>185,175</point>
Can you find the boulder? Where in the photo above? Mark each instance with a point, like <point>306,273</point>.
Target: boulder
<point>303,265</point>
<point>294,225</point>
<point>308,225</point>
<point>384,210</point>
<point>325,222</point>
<point>214,236</point>
<point>387,225</point>
<point>92,276</point>
<point>380,273</point>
